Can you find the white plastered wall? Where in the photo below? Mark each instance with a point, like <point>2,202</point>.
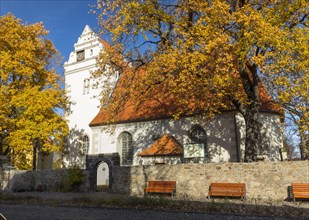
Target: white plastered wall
<point>221,132</point>
<point>271,136</point>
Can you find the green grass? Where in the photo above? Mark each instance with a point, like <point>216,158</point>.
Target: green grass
<point>11,198</point>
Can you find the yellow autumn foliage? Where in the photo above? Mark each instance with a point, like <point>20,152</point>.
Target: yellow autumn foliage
<point>220,47</point>
<point>30,94</point>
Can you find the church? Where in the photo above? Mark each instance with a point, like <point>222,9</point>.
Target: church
<point>149,135</point>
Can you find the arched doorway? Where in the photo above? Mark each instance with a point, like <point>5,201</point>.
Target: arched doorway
<point>102,177</point>
<point>93,163</point>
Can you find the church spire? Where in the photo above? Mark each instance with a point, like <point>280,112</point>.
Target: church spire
<point>87,30</point>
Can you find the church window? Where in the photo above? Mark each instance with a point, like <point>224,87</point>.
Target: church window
<point>86,86</point>
<point>197,134</point>
<point>80,55</point>
<point>85,145</point>
<point>126,142</point>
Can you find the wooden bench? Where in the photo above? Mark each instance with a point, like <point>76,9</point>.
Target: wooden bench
<point>300,191</point>
<point>227,190</point>
<point>161,187</point>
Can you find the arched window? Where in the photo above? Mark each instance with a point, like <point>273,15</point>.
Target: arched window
<point>126,142</point>
<point>85,144</point>
<point>197,134</point>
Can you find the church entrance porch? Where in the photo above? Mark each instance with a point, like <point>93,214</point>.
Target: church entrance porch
<point>100,167</point>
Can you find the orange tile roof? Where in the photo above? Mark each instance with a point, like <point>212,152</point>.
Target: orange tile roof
<point>160,104</point>
<point>106,45</point>
<point>164,146</point>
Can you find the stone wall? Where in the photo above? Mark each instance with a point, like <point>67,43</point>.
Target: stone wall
<point>264,180</point>
<point>47,180</point>
<point>92,163</point>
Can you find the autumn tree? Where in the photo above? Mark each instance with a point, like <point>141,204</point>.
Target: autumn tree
<point>30,93</point>
<point>197,48</point>
<point>295,100</point>
<point>291,90</point>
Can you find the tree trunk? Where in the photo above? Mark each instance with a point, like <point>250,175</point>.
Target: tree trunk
<point>250,81</point>
<point>252,139</point>
<point>34,154</point>
<point>1,145</point>
<point>303,145</point>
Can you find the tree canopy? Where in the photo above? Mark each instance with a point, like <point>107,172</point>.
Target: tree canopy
<point>222,47</point>
<point>30,93</point>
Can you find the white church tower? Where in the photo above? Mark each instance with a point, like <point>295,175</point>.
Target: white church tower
<point>82,96</point>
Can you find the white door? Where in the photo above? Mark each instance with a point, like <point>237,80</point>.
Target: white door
<point>102,176</point>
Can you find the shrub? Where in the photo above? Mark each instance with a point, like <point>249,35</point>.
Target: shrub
<point>74,179</point>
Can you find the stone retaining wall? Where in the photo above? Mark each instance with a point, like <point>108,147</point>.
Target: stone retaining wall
<point>47,180</point>
<point>264,180</point>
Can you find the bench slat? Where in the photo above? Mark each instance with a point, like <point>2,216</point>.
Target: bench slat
<point>300,190</point>
<point>227,194</point>
<point>161,187</point>
<point>158,190</point>
<point>227,189</point>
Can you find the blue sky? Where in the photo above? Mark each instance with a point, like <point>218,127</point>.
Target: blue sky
<point>65,19</point>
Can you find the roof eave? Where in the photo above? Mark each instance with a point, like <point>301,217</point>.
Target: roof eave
<point>161,155</point>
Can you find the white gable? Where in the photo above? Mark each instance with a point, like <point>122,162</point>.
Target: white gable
<point>78,85</point>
